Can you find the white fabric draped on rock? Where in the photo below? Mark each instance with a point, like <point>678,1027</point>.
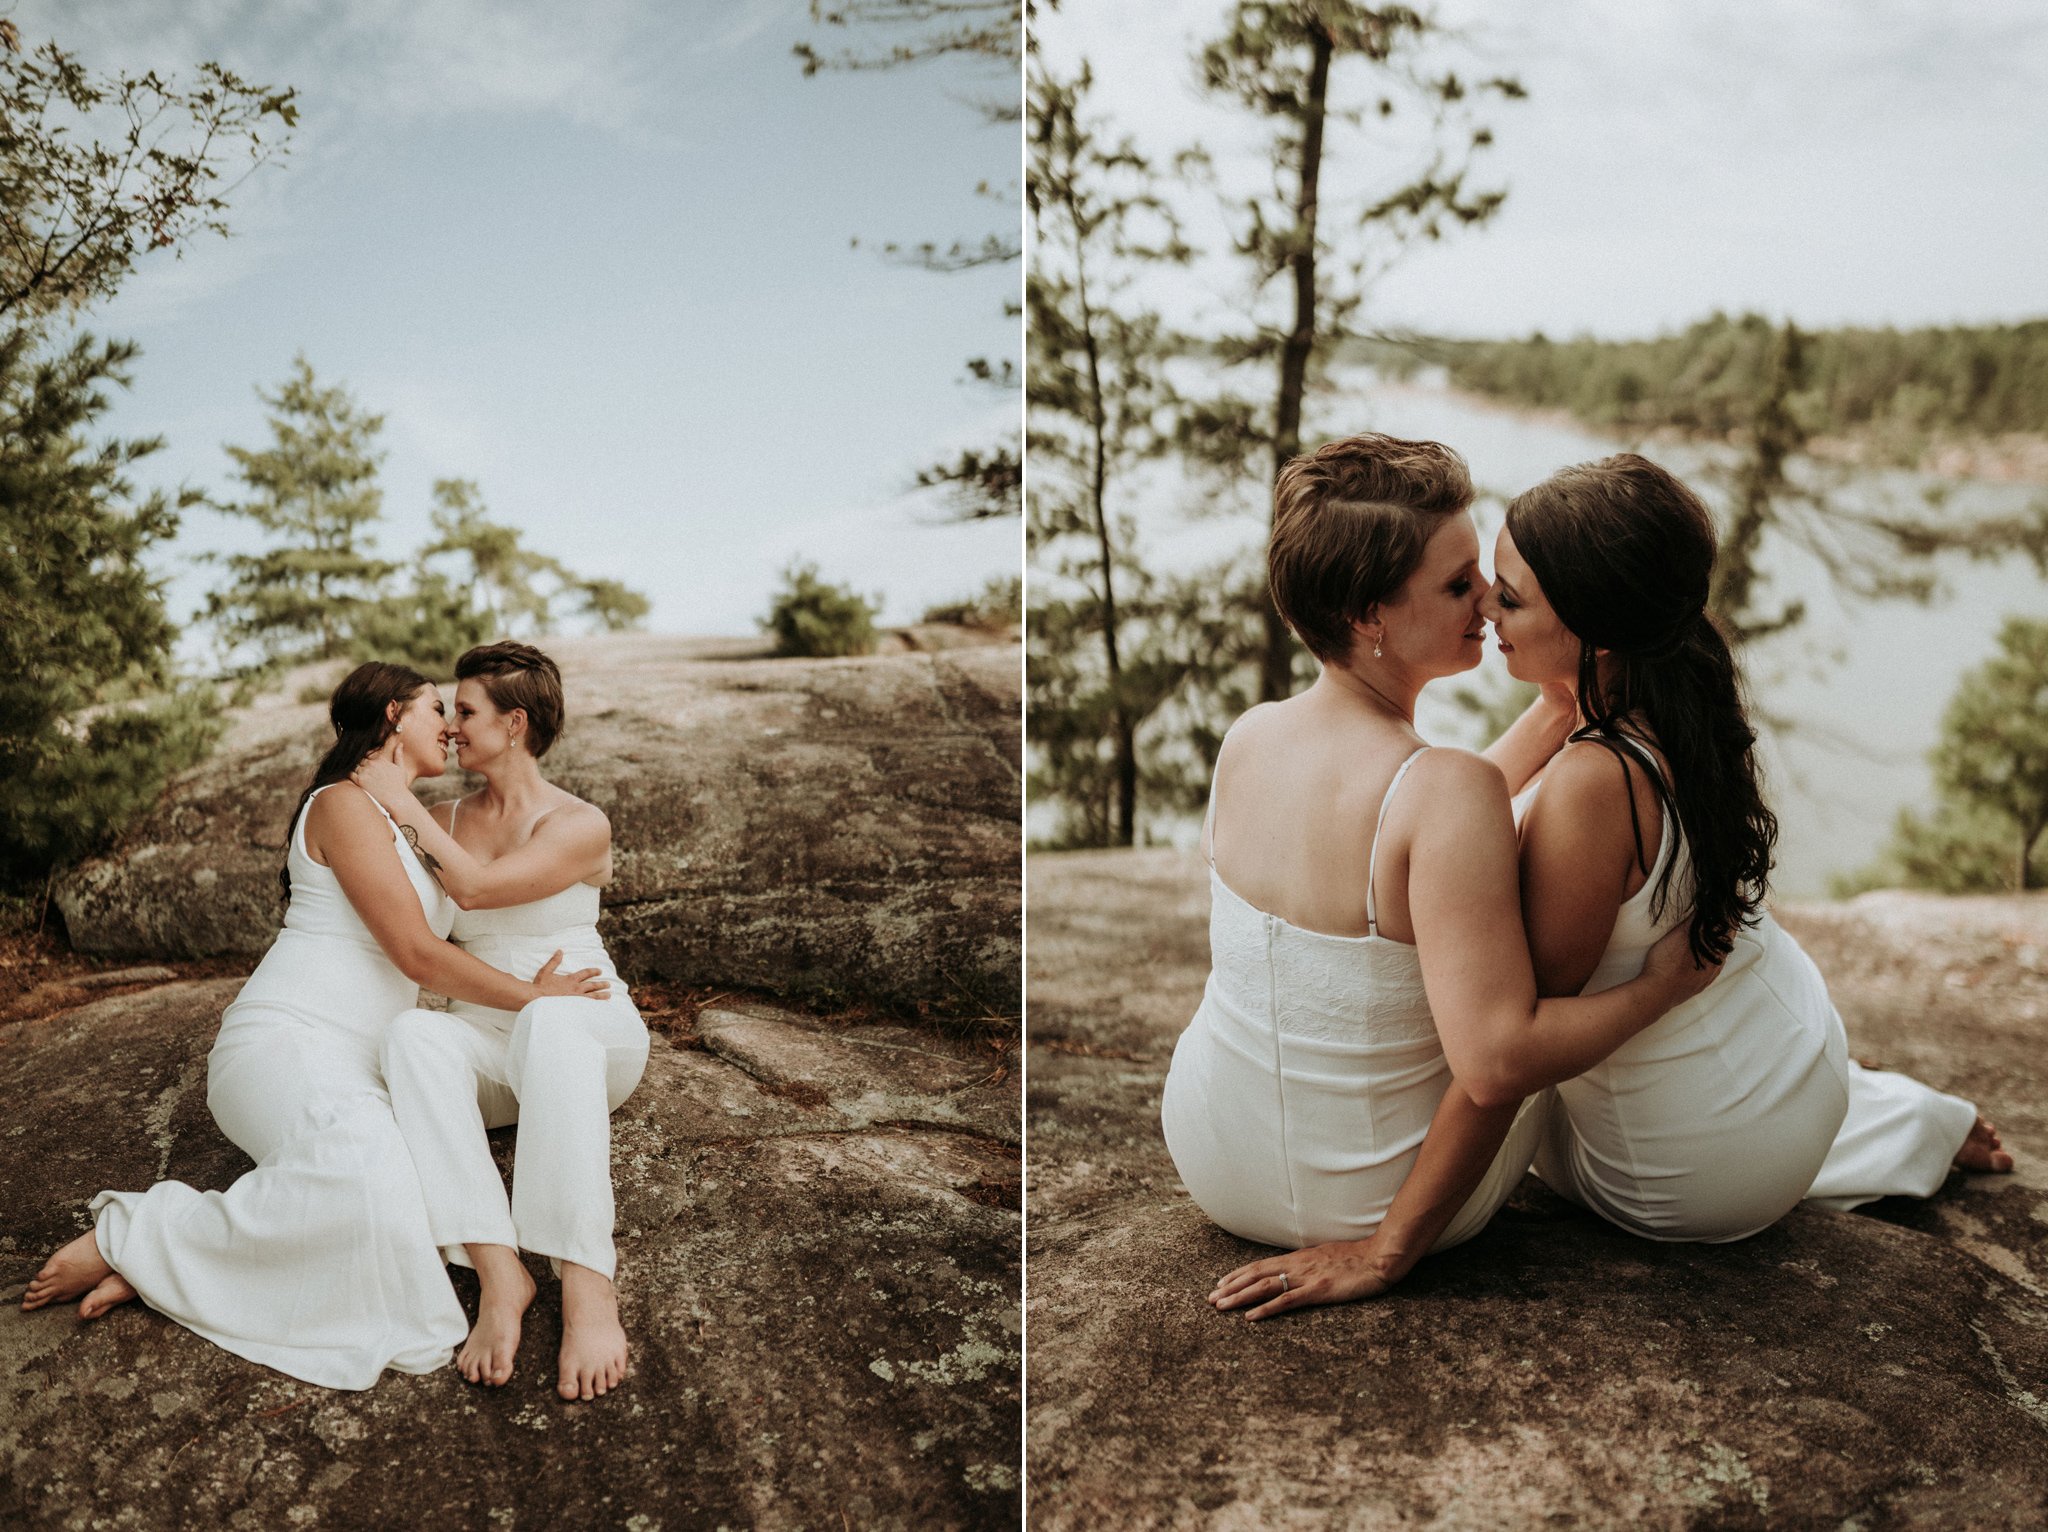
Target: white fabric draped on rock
<point>318,1262</point>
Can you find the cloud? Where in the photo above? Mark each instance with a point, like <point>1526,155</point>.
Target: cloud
<point>596,62</point>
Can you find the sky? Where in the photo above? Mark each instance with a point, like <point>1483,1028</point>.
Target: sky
<point>598,258</point>
<point>1878,164</point>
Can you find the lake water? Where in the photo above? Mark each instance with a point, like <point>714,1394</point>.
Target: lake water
<point>1866,683</point>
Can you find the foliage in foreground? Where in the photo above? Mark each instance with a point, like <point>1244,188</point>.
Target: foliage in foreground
<point>1991,774</point>
<point>96,171</point>
<point>92,721</point>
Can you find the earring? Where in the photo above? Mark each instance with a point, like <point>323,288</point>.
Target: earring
<point>1376,648</point>
<point>400,729</point>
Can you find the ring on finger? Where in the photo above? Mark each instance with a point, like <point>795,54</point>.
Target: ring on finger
<point>1283,1281</point>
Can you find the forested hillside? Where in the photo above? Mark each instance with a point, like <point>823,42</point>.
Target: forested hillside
<point>1908,385</point>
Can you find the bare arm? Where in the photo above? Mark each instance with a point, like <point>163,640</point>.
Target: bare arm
<point>1532,739</point>
<point>1577,850</point>
<point>570,845</point>
<point>1501,1040</point>
<point>346,830</point>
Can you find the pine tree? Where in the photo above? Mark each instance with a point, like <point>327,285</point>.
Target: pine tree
<point>1989,829</point>
<point>1872,548</point>
<point>96,171</point>
<point>1305,67</point>
<point>1100,403</point>
<point>813,617</point>
<point>501,573</point>
<point>515,590</point>
<point>91,722</point>
<point>314,489</point>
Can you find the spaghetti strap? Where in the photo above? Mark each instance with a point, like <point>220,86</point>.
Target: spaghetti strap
<point>1658,785</point>
<point>1372,920</point>
<point>1209,812</point>
<point>454,808</point>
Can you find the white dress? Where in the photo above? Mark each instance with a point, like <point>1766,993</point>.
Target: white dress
<point>1300,1092</point>
<point>318,1262</point>
<point>1716,1119</point>
<point>558,1068</point>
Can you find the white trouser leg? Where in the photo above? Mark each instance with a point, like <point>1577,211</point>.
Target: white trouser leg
<point>446,1075</point>
<point>572,1061</point>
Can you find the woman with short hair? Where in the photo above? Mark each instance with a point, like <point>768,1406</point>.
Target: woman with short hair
<point>523,861</point>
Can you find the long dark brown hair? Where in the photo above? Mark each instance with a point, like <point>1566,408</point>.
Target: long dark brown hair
<point>360,711</point>
<point>1624,553</point>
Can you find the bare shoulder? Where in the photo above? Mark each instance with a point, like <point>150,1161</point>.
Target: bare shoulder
<point>1446,772</point>
<point>1588,775</point>
<point>345,807</point>
<point>1251,726</point>
<point>576,817</point>
<point>1455,802</point>
<point>343,816</point>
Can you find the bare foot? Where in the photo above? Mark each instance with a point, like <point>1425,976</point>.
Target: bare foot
<point>112,1290</point>
<point>593,1341</point>
<point>486,1357</point>
<point>1982,1150</point>
<point>71,1273</point>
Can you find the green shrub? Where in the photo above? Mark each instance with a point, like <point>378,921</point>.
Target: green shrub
<point>812,617</point>
<point>998,604</point>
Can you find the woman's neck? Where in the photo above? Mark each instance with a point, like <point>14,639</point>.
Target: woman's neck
<point>1389,690</point>
<point>513,782</point>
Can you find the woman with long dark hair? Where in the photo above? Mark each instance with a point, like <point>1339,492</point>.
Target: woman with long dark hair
<point>319,1261</point>
<point>1714,1121</point>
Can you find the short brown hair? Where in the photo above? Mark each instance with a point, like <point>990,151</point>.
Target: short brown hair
<point>519,676</point>
<point>1350,521</point>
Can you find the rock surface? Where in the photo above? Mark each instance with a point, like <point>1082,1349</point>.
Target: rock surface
<point>1838,1370</point>
<point>818,1239</point>
<point>844,828</point>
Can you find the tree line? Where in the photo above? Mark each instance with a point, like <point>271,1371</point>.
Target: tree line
<point>1898,389</point>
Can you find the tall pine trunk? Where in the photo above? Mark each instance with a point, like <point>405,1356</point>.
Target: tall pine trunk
<point>1276,673</point>
<point>1121,829</point>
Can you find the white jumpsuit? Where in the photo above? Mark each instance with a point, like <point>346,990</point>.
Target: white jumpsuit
<point>1300,1092</point>
<point>558,1068</point>
<point>1716,1119</point>
<point>319,1261</point>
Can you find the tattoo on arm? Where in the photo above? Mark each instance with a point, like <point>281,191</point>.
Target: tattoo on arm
<point>412,839</point>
